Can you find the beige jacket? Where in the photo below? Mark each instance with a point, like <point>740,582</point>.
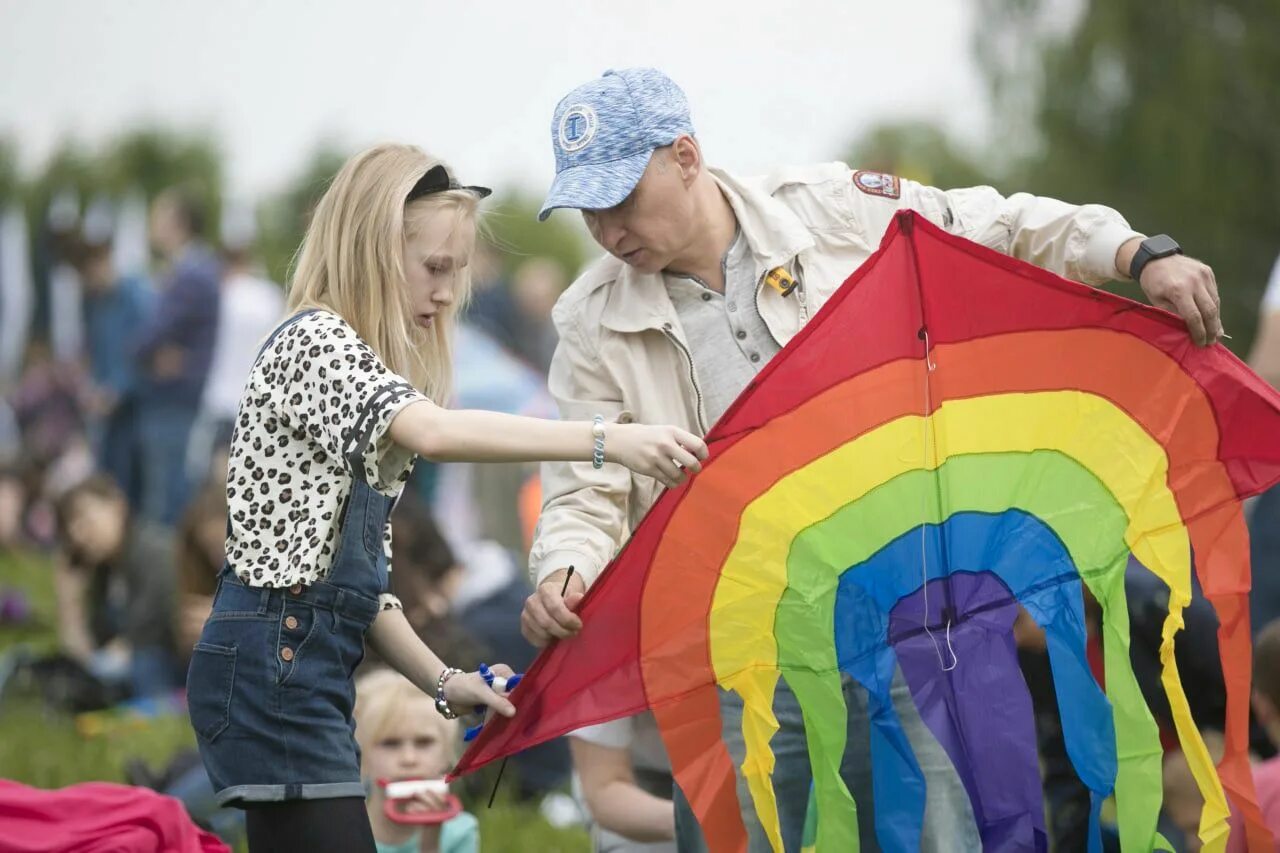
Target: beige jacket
<point>622,353</point>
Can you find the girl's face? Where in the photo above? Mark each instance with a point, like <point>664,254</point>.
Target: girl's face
<point>96,527</point>
<point>434,259</point>
<point>413,746</point>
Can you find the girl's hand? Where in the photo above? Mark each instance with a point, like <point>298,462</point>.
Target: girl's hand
<point>466,690</point>
<point>665,453</point>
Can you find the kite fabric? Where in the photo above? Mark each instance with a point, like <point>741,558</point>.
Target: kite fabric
<point>956,435</point>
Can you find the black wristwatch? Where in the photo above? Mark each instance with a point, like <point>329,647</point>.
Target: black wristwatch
<point>1159,246</point>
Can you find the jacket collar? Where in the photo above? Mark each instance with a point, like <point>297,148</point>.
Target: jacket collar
<point>639,301</point>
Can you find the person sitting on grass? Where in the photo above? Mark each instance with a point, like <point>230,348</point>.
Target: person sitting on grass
<point>115,585</point>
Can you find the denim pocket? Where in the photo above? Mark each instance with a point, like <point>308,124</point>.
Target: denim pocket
<point>209,684</point>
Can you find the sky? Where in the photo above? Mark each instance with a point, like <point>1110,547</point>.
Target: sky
<point>474,82</point>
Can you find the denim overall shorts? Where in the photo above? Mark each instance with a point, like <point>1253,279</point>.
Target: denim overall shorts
<point>270,689</point>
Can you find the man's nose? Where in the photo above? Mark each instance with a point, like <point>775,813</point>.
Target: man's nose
<point>611,235</point>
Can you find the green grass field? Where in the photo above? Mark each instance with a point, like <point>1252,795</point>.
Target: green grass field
<point>48,749</point>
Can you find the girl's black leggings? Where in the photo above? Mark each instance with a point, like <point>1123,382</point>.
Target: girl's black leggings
<point>309,826</point>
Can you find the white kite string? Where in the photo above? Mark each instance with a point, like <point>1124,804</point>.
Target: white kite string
<point>924,564</point>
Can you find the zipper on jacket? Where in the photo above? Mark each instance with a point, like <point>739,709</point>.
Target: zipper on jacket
<point>693,376</point>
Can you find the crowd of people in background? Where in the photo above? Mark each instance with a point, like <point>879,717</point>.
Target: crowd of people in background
<point>112,460</point>
<point>113,442</point>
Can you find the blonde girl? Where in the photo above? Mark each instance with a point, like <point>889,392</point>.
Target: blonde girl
<point>342,399</point>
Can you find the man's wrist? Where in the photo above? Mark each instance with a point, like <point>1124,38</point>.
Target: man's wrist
<point>559,561</point>
<point>1152,249</point>
<point>1124,256</point>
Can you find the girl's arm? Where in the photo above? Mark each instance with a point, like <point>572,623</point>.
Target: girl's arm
<point>449,435</point>
<point>616,802</point>
<point>69,585</point>
<point>394,640</point>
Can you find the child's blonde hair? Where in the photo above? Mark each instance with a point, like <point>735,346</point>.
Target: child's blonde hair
<point>351,261</point>
<point>382,696</point>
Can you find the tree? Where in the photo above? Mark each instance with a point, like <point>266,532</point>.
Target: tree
<point>9,182</point>
<point>283,218</point>
<point>512,226</point>
<point>152,159</point>
<point>918,150</point>
<point>1168,112</point>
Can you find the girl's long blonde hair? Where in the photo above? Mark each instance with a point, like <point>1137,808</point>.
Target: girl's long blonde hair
<point>351,261</point>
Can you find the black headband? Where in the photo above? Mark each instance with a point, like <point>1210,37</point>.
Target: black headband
<point>438,180</point>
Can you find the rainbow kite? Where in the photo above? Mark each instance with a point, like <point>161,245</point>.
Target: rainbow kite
<point>955,434</point>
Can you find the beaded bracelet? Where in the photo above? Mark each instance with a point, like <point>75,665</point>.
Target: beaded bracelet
<point>442,704</point>
<point>597,430</point>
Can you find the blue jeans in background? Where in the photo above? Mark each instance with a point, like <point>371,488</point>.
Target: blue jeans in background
<point>164,429</point>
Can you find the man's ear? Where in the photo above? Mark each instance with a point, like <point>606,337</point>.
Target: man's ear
<point>687,156</point>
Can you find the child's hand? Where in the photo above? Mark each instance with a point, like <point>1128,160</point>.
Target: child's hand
<point>665,453</point>
<point>469,689</point>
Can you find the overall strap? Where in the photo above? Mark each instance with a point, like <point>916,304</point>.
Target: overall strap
<point>289,321</point>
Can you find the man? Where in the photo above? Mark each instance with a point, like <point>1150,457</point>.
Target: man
<point>674,324</point>
<point>115,307</point>
<point>174,352</point>
<point>249,308</point>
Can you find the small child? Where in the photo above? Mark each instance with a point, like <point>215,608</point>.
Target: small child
<point>402,738</point>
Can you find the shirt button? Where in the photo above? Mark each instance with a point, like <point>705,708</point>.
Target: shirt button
<point>287,654</point>
<point>755,356</point>
<point>296,589</point>
<point>733,306</point>
<point>290,622</point>
<point>742,334</point>
<point>706,297</point>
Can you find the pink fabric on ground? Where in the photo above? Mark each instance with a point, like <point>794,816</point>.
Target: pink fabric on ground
<point>97,816</point>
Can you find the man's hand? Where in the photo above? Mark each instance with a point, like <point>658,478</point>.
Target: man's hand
<point>1182,285</point>
<point>547,616</point>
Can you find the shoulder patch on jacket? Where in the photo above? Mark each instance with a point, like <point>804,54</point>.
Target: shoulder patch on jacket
<point>877,183</point>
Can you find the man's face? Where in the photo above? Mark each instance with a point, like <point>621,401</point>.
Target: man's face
<point>653,225</point>
<point>166,229</point>
<point>98,272</point>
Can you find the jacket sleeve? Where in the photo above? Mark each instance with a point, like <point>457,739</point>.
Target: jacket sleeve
<point>584,510</point>
<point>1076,241</point>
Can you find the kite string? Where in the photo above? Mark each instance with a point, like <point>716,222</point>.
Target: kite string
<point>930,366</point>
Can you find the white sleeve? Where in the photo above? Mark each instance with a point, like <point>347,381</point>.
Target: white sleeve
<point>1271,299</point>
<point>617,734</point>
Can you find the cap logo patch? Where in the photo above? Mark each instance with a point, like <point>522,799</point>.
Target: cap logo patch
<point>577,128</point>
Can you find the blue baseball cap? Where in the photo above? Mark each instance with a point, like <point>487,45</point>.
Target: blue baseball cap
<point>604,132</point>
